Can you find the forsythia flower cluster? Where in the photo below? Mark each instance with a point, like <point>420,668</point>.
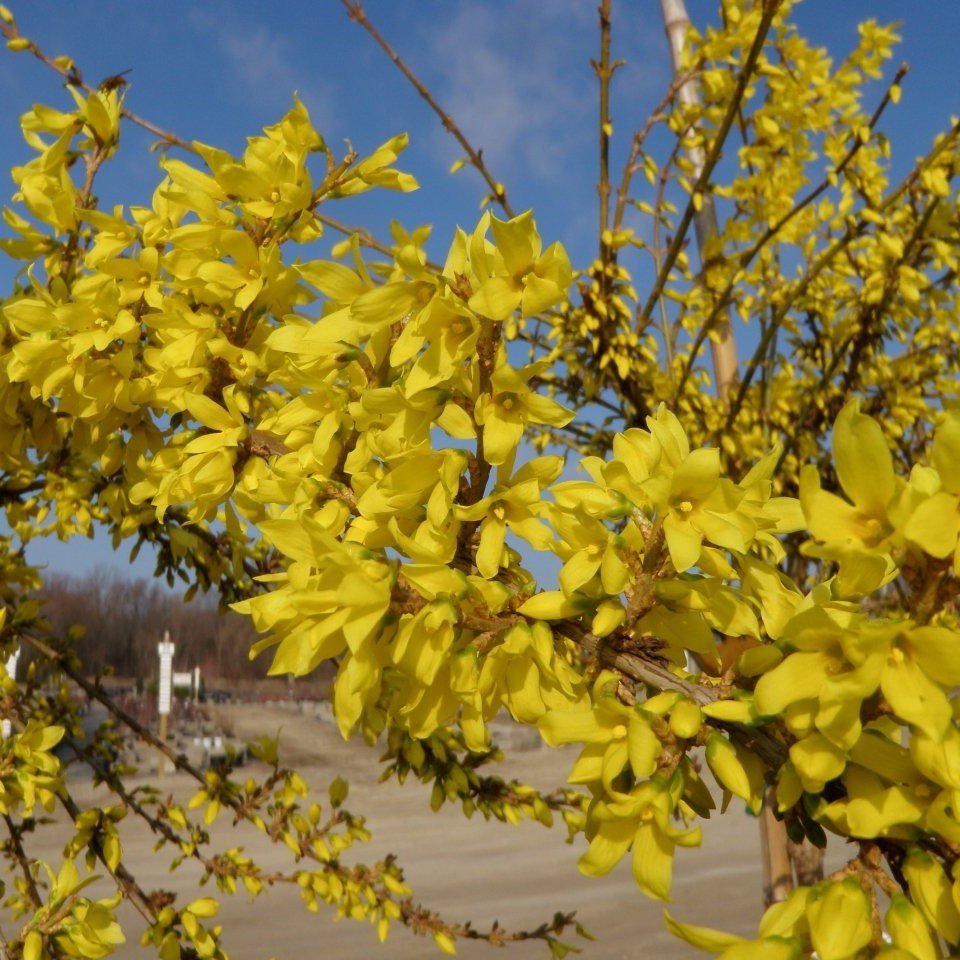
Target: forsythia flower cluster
<point>345,441</point>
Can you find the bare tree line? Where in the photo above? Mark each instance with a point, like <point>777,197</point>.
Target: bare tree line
<point>123,619</point>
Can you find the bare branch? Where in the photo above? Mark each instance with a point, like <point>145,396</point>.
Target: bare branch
<point>701,206</point>
<point>74,78</point>
<point>497,190</point>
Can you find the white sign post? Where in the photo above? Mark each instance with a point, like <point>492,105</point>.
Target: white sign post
<point>12,673</point>
<point>164,690</point>
<point>196,684</point>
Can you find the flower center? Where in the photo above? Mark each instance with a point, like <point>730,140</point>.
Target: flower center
<point>685,506</point>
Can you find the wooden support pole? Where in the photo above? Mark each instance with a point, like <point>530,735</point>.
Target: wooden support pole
<point>774,852</point>
<point>162,736</point>
<point>723,349</point>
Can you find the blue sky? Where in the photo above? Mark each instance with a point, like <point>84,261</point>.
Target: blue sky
<point>514,73</point>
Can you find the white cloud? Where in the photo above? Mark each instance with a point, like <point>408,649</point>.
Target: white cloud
<point>262,63</point>
<point>515,75</point>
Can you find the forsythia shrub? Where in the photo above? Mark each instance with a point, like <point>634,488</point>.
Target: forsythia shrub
<point>361,450</point>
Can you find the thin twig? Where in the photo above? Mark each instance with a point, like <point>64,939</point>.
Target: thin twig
<point>851,233</point>
<point>605,70</point>
<point>712,158</point>
<point>748,256</point>
<point>74,78</point>
<point>631,166</point>
<point>366,238</point>
<point>498,192</point>
<point>858,341</point>
<point>124,879</point>
<point>23,861</point>
<point>412,915</point>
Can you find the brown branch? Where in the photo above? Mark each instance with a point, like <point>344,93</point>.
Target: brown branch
<point>654,672</point>
<point>498,192</point>
<point>748,256</point>
<point>850,234</point>
<point>125,880</point>
<point>412,915</point>
<point>96,692</point>
<point>631,166</point>
<point>856,343</point>
<point>367,239</point>
<point>604,70</point>
<point>723,349</point>
<point>23,861</point>
<point>669,330</point>
<point>74,78</point>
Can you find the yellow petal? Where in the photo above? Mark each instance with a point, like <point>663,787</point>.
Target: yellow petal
<point>840,921</point>
<point>914,697</point>
<point>736,769</point>
<point>610,843</point>
<point>703,938</point>
<point>549,605</point>
<point>863,460</point>
<point>817,761</point>
<point>909,930</point>
<point>653,861</point>
<point>931,892</point>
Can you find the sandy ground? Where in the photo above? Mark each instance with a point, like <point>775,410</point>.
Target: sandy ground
<point>465,869</point>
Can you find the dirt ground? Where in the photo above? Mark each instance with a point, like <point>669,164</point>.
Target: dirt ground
<point>465,869</point>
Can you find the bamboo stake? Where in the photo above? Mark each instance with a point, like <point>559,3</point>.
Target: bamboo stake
<point>162,734</point>
<point>774,844</point>
<point>775,853</point>
<point>723,349</point>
